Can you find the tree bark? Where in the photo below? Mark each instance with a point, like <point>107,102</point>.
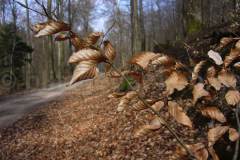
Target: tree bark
<point>28,65</point>
<point>142,32</point>
<point>135,30</point>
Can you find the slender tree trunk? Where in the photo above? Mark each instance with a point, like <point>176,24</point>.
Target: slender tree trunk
<point>135,29</point>
<point>28,65</point>
<point>51,46</point>
<point>142,32</point>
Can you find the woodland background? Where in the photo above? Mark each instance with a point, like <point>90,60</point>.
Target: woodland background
<point>133,25</point>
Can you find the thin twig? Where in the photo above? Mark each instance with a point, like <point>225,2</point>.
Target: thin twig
<point>235,157</point>
<point>21,4</point>
<point>156,113</point>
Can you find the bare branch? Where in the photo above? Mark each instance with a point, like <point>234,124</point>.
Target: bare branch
<point>23,5</point>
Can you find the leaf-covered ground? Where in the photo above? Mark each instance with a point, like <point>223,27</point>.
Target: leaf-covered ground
<point>85,124</point>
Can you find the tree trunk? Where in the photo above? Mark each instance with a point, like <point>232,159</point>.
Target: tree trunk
<point>142,33</point>
<point>135,30</point>
<point>28,65</point>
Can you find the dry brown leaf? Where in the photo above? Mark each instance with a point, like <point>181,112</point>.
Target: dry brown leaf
<point>227,78</point>
<point>233,134</point>
<point>196,70</point>
<point>139,105</point>
<point>234,54</point>
<point>86,54</point>
<point>109,51</point>
<point>125,100</point>
<point>163,60</point>
<point>177,112</point>
<point>142,59</point>
<point>199,91</point>
<point>215,133</point>
<point>62,36</point>
<point>215,56</point>
<point>84,70</point>
<point>213,153</point>
<point>49,28</point>
<point>154,125</point>
<point>176,81</point>
<point>158,106</point>
<point>212,80</point>
<point>92,38</point>
<point>232,97</point>
<point>214,113</point>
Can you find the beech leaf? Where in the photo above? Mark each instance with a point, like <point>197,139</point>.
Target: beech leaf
<point>125,100</point>
<point>176,81</point>
<point>196,70</point>
<point>177,112</point>
<point>233,134</point>
<point>215,133</point>
<point>232,97</point>
<point>227,78</point>
<point>199,92</point>
<point>234,54</point>
<point>214,113</point>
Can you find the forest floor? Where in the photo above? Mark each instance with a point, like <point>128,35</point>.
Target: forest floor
<point>84,125</point>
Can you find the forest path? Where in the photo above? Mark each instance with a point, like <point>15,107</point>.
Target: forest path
<point>14,107</point>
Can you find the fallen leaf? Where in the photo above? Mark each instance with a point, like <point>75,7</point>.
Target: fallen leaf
<point>212,80</point>
<point>116,95</point>
<point>197,69</point>
<point>225,41</point>
<point>86,54</point>
<point>176,81</point>
<point>49,28</point>
<point>125,100</point>
<point>199,92</point>
<point>142,59</point>
<point>227,78</point>
<point>158,106</point>
<point>232,97</point>
<point>139,105</point>
<point>177,112</point>
<point>155,124</point>
<point>233,134</point>
<point>215,133</point>
<point>215,56</point>
<point>214,113</point>
<point>84,70</point>
<point>237,45</point>
<point>234,54</point>
<point>237,65</point>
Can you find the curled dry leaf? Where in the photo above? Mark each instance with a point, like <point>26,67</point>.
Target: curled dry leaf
<point>125,100</point>
<point>233,134</point>
<point>176,80</point>
<point>154,125</point>
<point>199,92</point>
<point>139,105</point>
<point>92,38</point>
<point>163,60</point>
<point>227,78</point>
<point>215,133</point>
<point>215,56</point>
<point>237,45</point>
<point>62,36</point>
<point>213,153</point>
<point>109,53</point>
<point>84,70</point>
<point>158,106</point>
<point>49,28</point>
<point>214,113</point>
<point>234,54</point>
<point>212,80</point>
<point>232,97</point>
<point>86,54</point>
<point>196,70</point>
<point>177,112</point>
<point>143,59</point>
